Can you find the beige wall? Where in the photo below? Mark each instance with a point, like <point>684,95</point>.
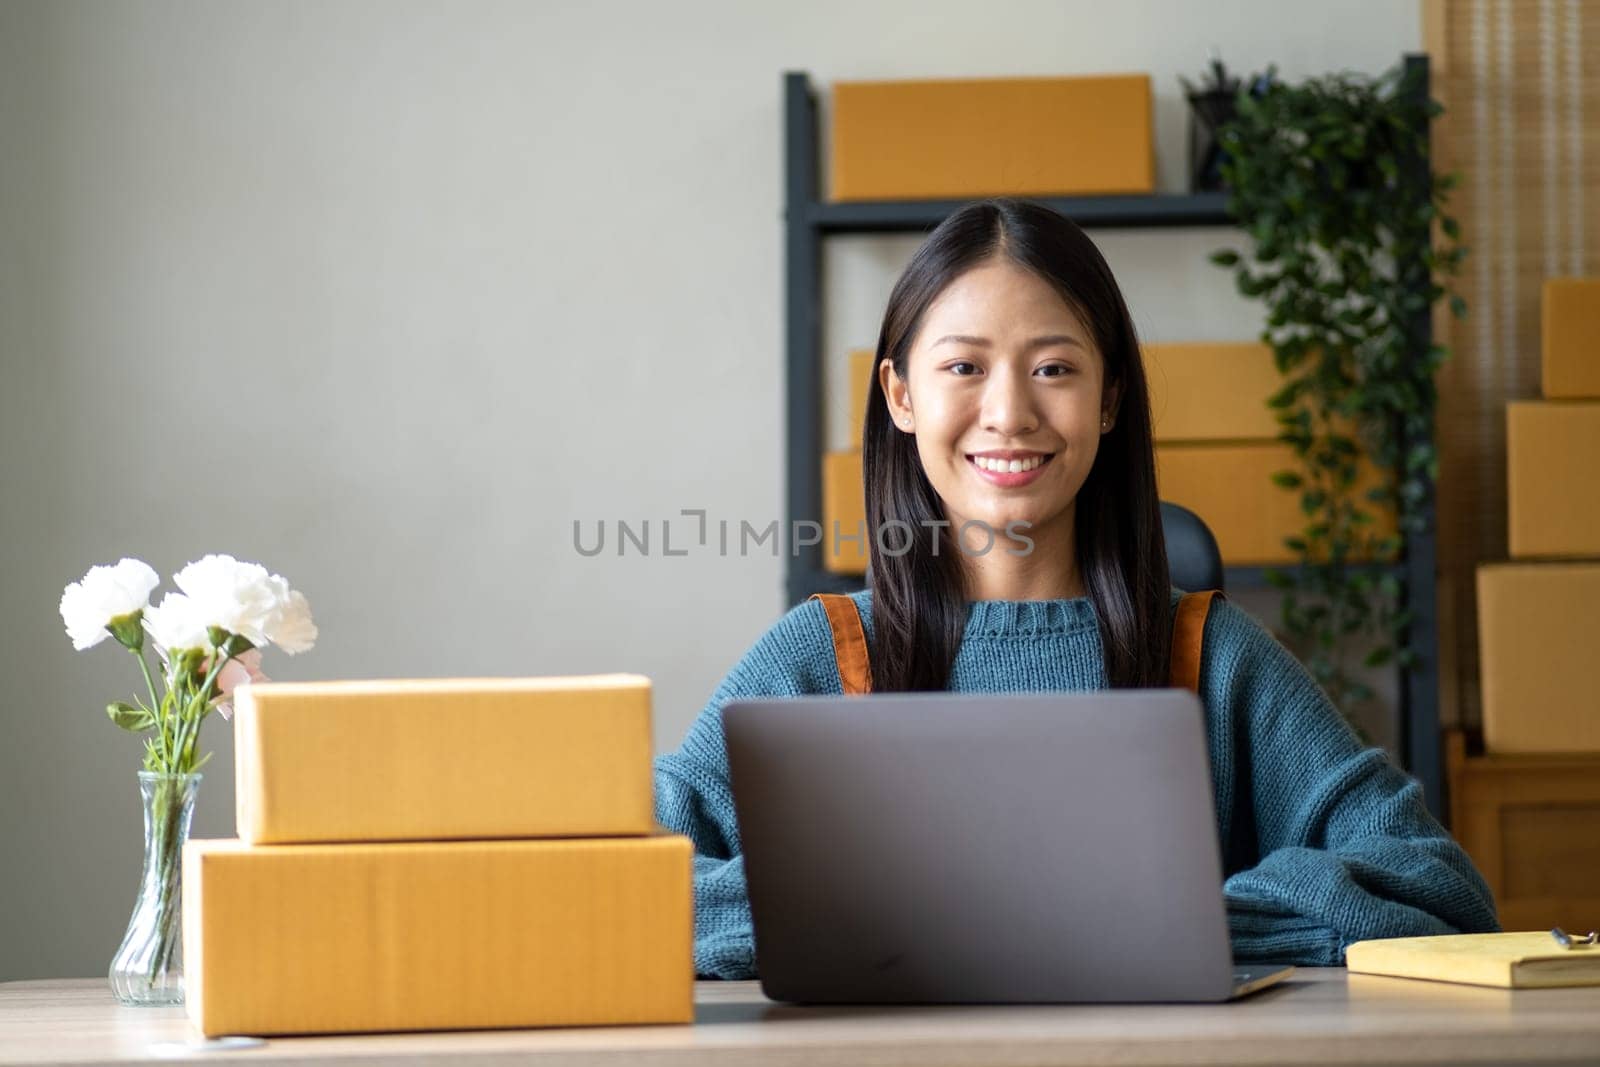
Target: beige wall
<point>385,295</point>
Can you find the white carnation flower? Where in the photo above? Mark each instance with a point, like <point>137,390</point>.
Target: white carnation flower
<point>176,624</point>
<point>241,598</point>
<point>88,606</point>
<point>291,629</point>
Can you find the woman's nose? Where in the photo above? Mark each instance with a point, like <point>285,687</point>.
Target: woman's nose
<point>1007,406</point>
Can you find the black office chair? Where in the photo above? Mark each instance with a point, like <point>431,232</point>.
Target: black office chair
<point>1193,561</point>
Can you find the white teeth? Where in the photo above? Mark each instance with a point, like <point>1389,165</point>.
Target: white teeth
<point>1008,466</point>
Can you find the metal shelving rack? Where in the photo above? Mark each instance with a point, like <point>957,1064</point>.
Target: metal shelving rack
<point>808,220</point>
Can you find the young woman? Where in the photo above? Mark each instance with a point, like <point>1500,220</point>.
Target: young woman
<point>1008,443</point>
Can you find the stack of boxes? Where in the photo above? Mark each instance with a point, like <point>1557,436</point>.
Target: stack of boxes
<point>1217,447</point>
<point>448,854</point>
<point>1216,451</point>
<point>1538,616</point>
<point>844,509</point>
<point>1528,809</point>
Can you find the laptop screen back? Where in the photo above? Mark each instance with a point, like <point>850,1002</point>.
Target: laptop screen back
<point>995,848</point>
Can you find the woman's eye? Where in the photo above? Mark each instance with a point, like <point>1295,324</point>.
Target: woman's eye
<point>964,370</point>
<point>1055,370</point>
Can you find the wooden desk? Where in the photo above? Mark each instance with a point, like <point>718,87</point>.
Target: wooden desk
<point>1316,1017</point>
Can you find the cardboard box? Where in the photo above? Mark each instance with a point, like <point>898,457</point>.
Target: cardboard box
<point>844,514</point>
<point>1212,391</point>
<point>443,759</point>
<point>1571,339</point>
<point>961,139</point>
<point>311,939</point>
<point>1230,487</point>
<point>1553,478</point>
<point>1536,629</point>
<point>862,361</point>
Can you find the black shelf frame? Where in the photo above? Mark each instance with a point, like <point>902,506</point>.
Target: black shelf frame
<point>919,216</point>
<point>808,220</point>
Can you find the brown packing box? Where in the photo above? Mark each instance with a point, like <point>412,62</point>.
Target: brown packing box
<point>1230,487</point>
<point>1553,478</point>
<point>861,364</point>
<point>843,503</point>
<point>958,139</point>
<point>1212,391</point>
<point>441,759</point>
<point>308,939</point>
<point>1571,339</point>
<point>1536,632</point>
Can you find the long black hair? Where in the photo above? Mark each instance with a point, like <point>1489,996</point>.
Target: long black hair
<point>919,607</point>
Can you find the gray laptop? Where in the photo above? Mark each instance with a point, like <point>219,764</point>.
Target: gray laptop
<point>957,848</point>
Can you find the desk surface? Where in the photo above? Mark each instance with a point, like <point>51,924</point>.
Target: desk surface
<point>1318,1016</point>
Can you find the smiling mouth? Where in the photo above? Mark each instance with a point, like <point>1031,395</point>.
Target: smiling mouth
<point>1010,466</point>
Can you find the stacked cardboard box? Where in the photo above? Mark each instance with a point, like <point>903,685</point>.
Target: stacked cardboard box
<point>1537,616</point>
<point>1217,446</point>
<point>448,854</point>
<point>844,506</point>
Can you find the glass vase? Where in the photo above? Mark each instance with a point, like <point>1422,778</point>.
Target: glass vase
<point>148,967</point>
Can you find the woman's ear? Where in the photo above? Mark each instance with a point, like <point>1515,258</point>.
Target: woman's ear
<point>1110,400</point>
<point>896,395</point>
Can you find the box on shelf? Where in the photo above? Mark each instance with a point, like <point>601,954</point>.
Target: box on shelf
<point>1570,325</point>
<point>438,759</point>
<point>1212,391</point>
<point>844,509</point>
<point>1536,629</point>
<point>1553,478</point>
<point>966,138</point>
<point>1230,487</point>
<point>862,361</point>
<point>312,939</point>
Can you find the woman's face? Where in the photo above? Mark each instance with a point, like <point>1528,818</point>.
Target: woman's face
<point>1004,393</point>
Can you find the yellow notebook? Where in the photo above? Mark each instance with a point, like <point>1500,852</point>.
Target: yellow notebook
<point>1510,961</point>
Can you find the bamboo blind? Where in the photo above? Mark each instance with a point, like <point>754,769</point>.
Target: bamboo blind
<point>1522,129</point>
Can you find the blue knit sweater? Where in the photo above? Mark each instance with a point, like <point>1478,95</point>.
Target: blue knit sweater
<point>1324,841</point>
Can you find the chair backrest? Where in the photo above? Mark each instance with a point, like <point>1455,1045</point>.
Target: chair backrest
<point>1193,561</point>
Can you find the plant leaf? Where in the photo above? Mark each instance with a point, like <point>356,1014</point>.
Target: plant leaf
<point>130,718</point>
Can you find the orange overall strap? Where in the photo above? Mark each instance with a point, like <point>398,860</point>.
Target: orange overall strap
<point>1188,635</point>
<point>849,642</point>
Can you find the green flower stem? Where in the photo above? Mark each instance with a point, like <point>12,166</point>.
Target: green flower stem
<point>150,685</point>
<point>167,866</point>
<point>193,711</point>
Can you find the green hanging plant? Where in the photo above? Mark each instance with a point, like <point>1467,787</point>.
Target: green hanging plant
<point>1330,180</point>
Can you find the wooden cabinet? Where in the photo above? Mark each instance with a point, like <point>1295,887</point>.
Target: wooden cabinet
<point>1532,826</point>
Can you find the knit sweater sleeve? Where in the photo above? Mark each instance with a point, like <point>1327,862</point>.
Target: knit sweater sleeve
<point>693,796</point>
<point>1347,849</point>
